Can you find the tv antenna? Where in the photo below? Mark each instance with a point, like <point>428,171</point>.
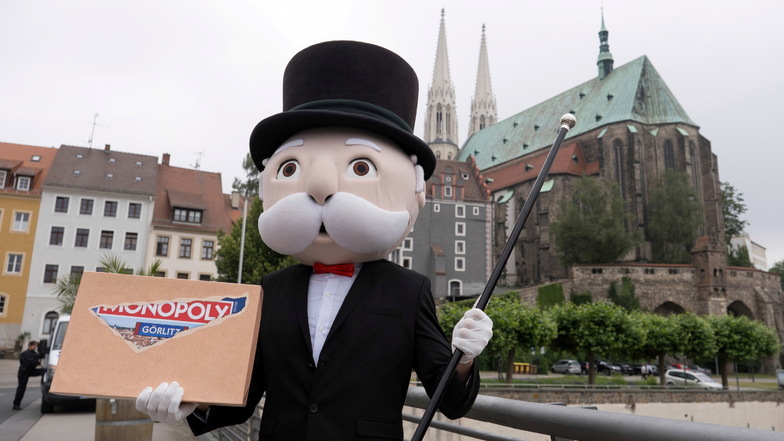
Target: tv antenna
<point>199,155</point>
<point>92,133</point>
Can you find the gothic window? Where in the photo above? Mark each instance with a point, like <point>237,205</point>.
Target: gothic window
<point>669,155</point>
<point>693,155</point>
<point>448,121</point>
<point>439,121</point>
<point>481,122</point>
<point>619,168</point>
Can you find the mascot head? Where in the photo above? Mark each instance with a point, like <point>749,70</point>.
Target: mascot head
<point>342,174</point>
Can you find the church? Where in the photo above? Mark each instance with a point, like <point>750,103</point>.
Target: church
<point>630,129</point>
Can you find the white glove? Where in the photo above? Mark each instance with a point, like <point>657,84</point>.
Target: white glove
<point>164,403</point>
<point>472,333</point>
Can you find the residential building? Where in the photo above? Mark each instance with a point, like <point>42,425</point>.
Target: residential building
<point>190,210</point>
<point>23,170</point>
<point>95,203</point>
<point>757,253</point>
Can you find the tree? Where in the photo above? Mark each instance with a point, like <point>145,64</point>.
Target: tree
<point>624,296</point>
<point>732,207</point>
<point>739,257</point>
<point>659,341</point>
<point>590,227</point>
<point>778,268</point>
<point>249,186</point>
<point>67,285</point>
<point>674,218</point>
<point>694,337</point>
<point>516,327</point>
<point>741,339</point>
<point>258,260</point>
<point>595,330</point>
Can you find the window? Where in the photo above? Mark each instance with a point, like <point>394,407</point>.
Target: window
<point>86,207</point>
<point>3,177</point>
<point>185,215</point>
<point>669,155</point>
<point>408,244</point>
<point>3,302</point>
<point>14,264</point>
<point>23,183</point>
<point>460,229</point>
<point>436,208</point>
<point>61,204</point>
<point>476,211</point>
<point>134,210</point>
<point>77,270</point>
<point>56,236</point>
<point>182,276</point>
<point>459,247</point>
<point>50,319</point>
<point>21,221</point>
<point>207,248</point>
<point>107,237</point>
<point>110,209</point>
<point>82,235</point>
<point>205,277</point>
<point>447,191</point>
<point>162,246</point>
<point>50,273</point>
<point>160,274</point>
<point>459,210</point>
<point>455,288</point>
<point>185,248</point>
<point>406,262</point>
<point>459,263</point>
<point>130,241</point>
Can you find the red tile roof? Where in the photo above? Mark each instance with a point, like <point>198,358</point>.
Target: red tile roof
<point>18,159</point>
<point>194,189</point>
<point>569,160</point>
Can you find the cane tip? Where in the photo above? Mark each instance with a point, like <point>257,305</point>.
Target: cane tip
<point>568,121</point>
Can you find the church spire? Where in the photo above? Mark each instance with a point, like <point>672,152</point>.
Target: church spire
<point>605,61</point>
<point>441,118</point>
<point>483,109</point>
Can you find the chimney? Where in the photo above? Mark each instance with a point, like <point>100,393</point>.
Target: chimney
<point>165,159</point>
<point>235,199</point>
<point>107,147</point>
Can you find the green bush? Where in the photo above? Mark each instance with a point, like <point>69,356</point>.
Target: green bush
<point>549,295</point>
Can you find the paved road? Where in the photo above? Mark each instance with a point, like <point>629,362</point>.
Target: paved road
<point>71,424</point>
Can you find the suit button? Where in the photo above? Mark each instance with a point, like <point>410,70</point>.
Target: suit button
<point>311,365</point>
<point>314,408</point>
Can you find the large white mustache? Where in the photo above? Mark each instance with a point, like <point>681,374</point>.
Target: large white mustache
<point>353,223</point>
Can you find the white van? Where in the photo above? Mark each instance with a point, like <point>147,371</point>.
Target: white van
<point>49,400</point>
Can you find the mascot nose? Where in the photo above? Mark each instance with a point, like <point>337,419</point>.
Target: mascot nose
<point>322,181</point>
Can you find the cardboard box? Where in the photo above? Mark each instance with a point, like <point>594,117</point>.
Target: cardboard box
<point>129,332</point>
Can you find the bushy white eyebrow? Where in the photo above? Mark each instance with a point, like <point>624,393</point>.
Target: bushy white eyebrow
<point>362,141</point>
<point>292,143</point>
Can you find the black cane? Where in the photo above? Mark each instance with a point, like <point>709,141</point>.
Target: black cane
<point>567,122</point>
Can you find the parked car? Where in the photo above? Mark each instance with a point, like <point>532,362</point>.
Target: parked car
<point>566,367</point>
<point>604,367</point>
<point>48,399</point>
<point>687,378</point>
<point>696,368</point>
<point>624,368</point>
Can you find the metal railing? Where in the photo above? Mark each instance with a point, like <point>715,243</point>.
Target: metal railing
<point>560,422</point>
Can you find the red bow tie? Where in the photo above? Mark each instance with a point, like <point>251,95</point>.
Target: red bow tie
<point>343,269</point>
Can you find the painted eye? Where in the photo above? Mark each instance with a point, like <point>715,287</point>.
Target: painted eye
<point>289,169</point>
<point>361,168</point>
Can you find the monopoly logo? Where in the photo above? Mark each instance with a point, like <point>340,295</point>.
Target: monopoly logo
<point>197,311</point>
<point>143,325</point>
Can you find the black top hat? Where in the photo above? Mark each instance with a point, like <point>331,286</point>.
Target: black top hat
<point>346,83</point>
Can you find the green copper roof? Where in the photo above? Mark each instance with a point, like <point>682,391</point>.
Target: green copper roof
<point>631,92</point>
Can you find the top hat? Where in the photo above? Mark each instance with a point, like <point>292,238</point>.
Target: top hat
<point>350,84</point>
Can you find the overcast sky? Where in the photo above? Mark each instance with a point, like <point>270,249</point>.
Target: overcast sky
<point>193,77</point>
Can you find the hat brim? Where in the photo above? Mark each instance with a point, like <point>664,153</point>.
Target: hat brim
<point>273,131</point>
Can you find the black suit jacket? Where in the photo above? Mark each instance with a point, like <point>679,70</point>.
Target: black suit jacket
<point>386,327</point>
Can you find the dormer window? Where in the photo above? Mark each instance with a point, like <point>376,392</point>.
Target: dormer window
<point>79,156</point>
<point>187,215</point>
<point>112,160</point>
<point>36,158</point>
<point>3,178</point>
<point>138,163</point>
<point>23,183</point>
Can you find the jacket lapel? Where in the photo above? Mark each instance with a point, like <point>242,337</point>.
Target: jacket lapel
<point>299,287</point>
<point>368,276</point>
